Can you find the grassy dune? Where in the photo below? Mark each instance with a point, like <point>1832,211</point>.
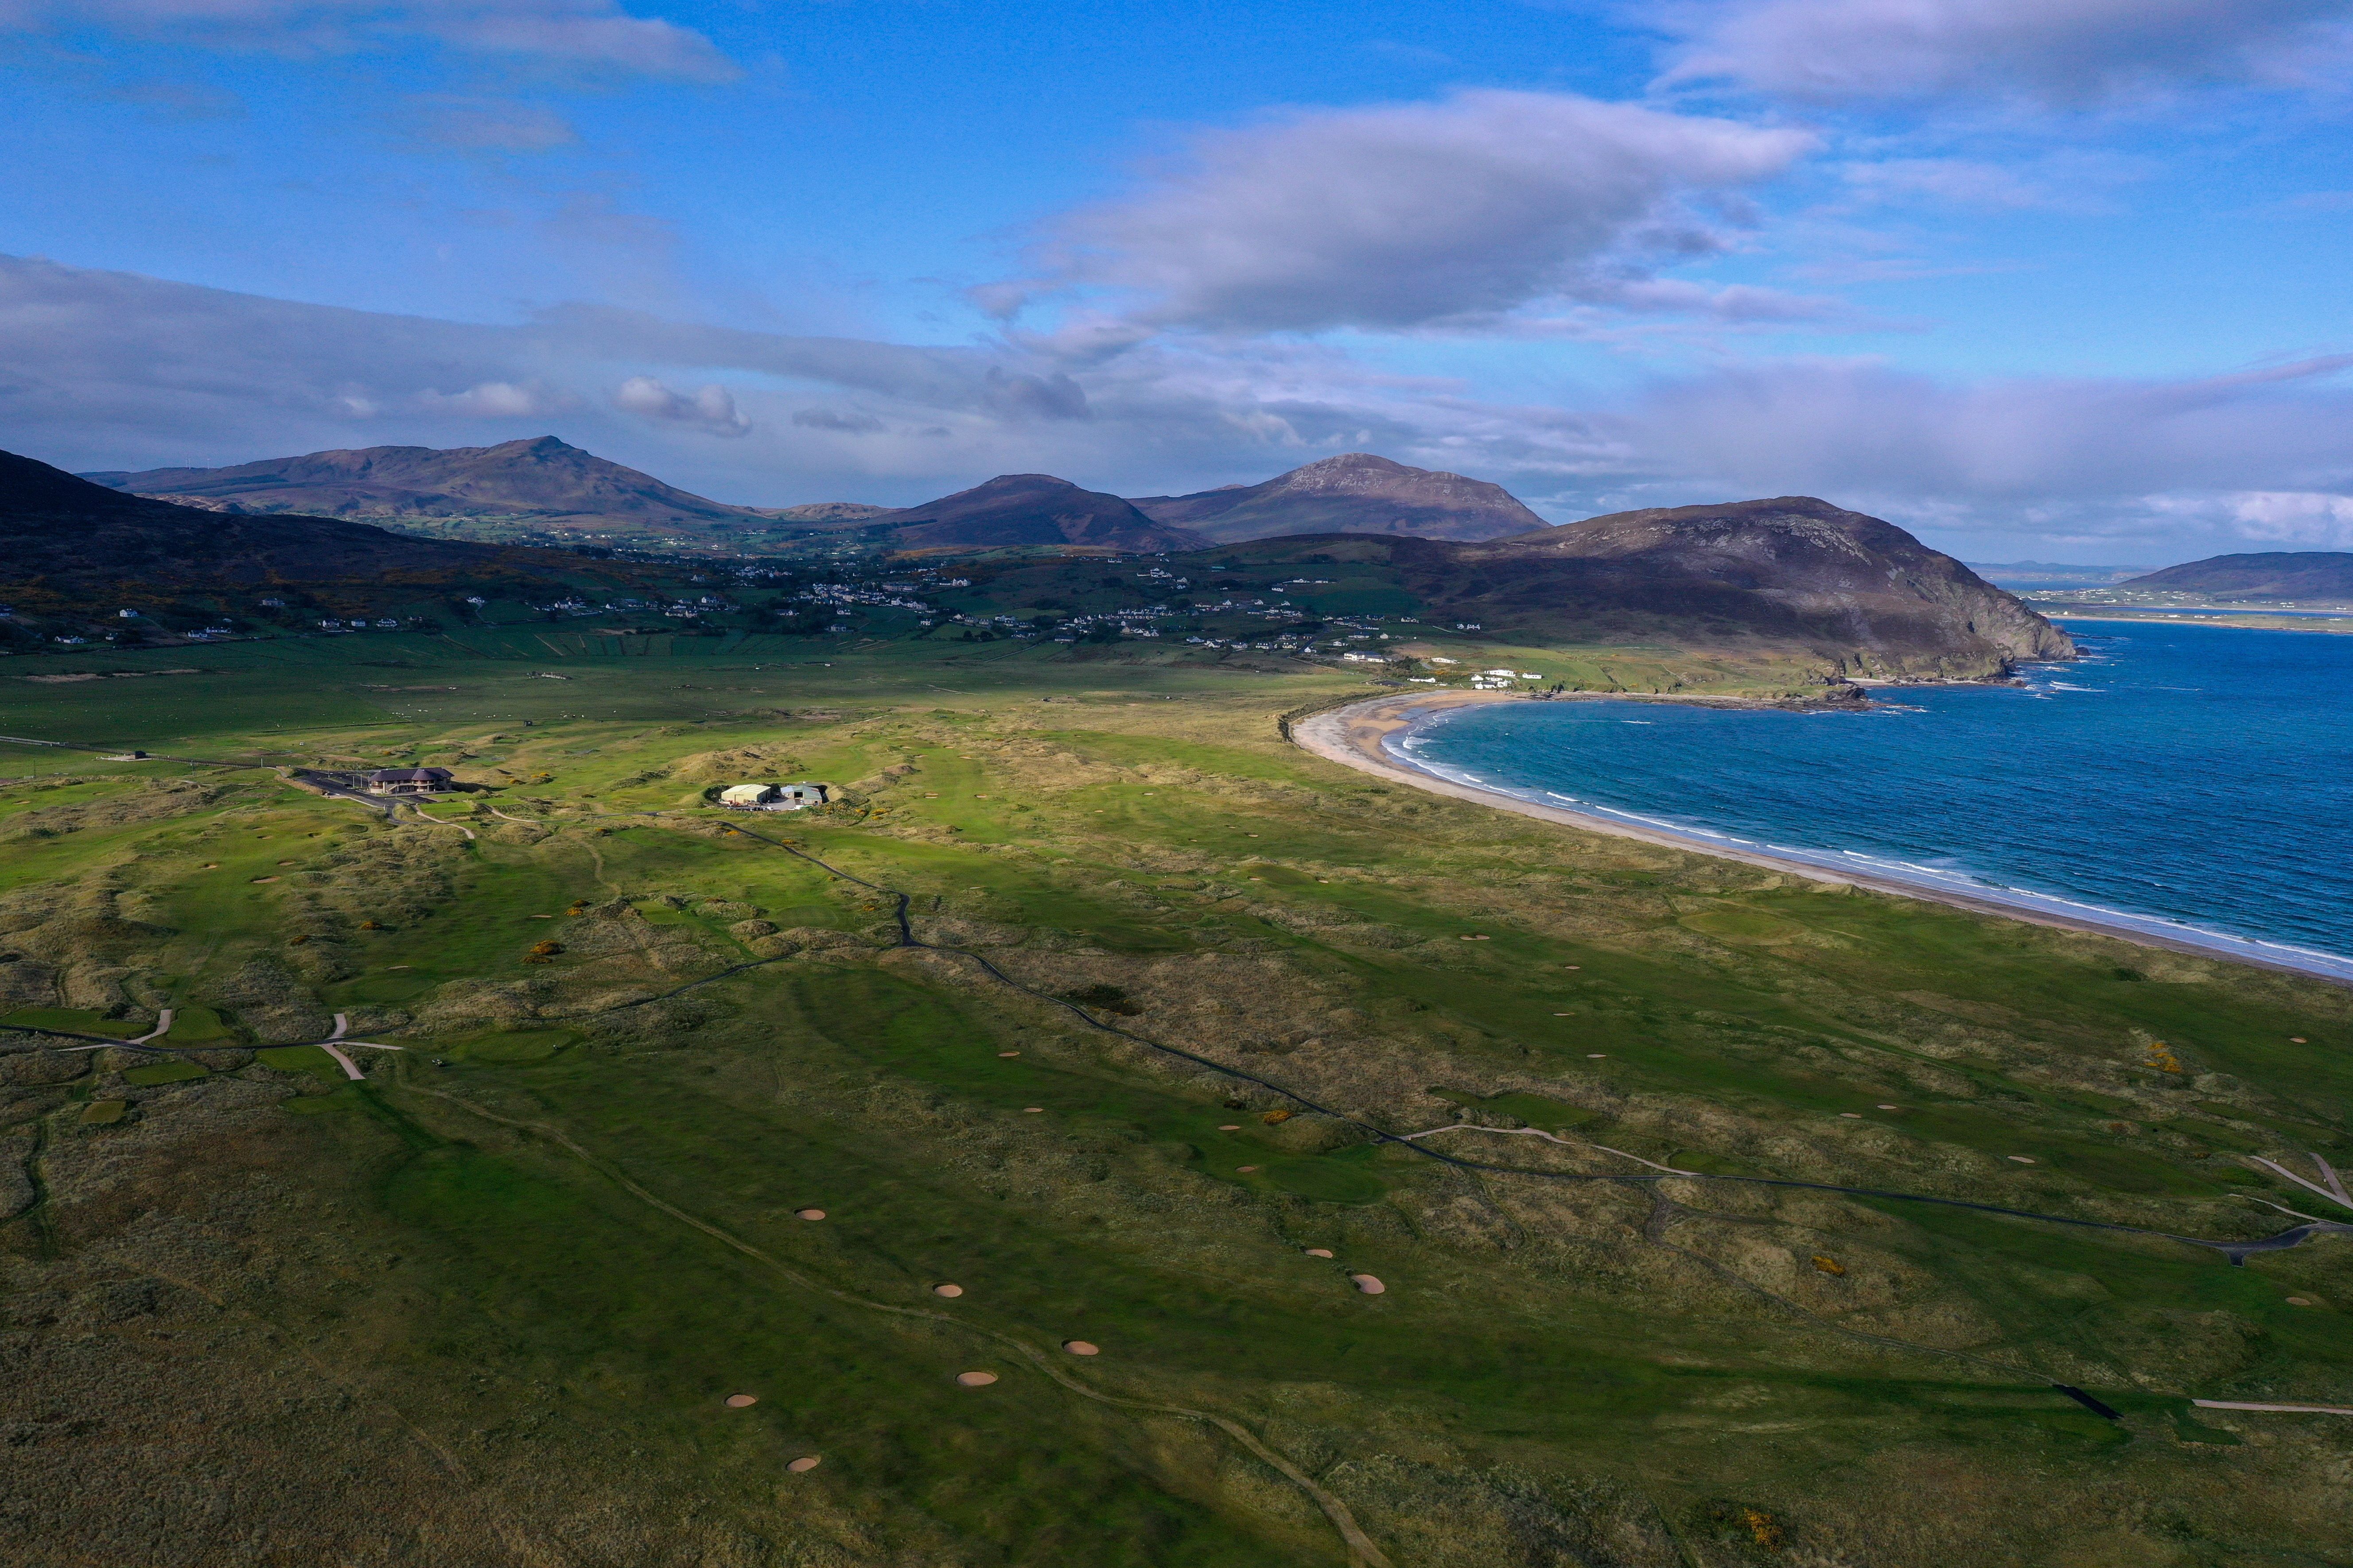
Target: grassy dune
<point>485,1306</point>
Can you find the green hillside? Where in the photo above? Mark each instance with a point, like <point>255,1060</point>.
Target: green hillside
<point>488,1303</point>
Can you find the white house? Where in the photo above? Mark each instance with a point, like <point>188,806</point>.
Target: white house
<point>772,797</point>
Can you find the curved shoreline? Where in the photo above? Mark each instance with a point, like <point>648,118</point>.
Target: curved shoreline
<point>1359,736</point>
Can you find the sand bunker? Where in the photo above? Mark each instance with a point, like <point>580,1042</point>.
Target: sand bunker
<point>950,1291</point>
<point>2024,1159</point>
<point>1245,1169</point>
<point>1008,1052</point>
<point>1367,1284</point>
<point>1033,1111</point>
<point>976,1379</point>
<point>1229,1127</point>
<point>805,1464</point>
<point>1319,1252</point>
<point>808,1214</point>
<point>265,879</point>
<point>742,1401</point>
<point>1080,1347</point>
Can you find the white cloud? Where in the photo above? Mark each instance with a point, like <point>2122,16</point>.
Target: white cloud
<point>493,400</point>
<point>1863,428</point>
<point>711,408</point>
<point>2316,519</point>
<point>1455,212</point>
<point>595,34</point>
<point>850,423</point>
<point>2064,52</point>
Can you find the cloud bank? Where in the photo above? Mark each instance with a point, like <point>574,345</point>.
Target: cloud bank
<point>711,408</point>
<point>1453,213</point>
<point>110,370</point>
<point>595,34</point>
<point>2068,53</point>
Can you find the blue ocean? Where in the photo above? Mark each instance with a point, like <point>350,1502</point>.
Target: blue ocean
<point>2190,779</point>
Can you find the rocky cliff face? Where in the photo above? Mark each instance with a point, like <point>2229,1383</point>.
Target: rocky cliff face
<point>1353,493</point>
<point>1869,598</point>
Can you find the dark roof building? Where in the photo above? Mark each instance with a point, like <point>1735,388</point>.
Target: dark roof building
<point>408,781</point>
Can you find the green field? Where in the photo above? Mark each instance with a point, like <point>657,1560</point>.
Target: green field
<point>487,1306</point>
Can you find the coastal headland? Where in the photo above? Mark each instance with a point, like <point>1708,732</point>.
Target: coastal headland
<point>1359,735</point>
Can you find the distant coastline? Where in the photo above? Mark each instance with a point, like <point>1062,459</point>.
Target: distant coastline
<point>1368,736</point>
<point>2326,622</point>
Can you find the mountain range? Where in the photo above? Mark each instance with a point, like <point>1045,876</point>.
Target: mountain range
<point>1025,509</point>
<point>1865,594</point>
<point>2270,574</point>
<point>1356,492</point>
<point>65,542</point>
<point>547,491</point>
<point>546,480</point>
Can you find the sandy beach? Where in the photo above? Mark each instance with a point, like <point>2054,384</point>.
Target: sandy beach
<point>1359,736</point>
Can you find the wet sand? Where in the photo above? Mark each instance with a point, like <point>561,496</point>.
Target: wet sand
<point>1356,736</point>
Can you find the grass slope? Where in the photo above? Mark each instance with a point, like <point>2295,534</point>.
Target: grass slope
<point>485,1306</point>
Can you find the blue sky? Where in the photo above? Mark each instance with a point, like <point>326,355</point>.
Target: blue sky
<point>2052,277</point>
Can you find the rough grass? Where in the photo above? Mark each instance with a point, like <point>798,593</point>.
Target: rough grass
<point>407,1322</point>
